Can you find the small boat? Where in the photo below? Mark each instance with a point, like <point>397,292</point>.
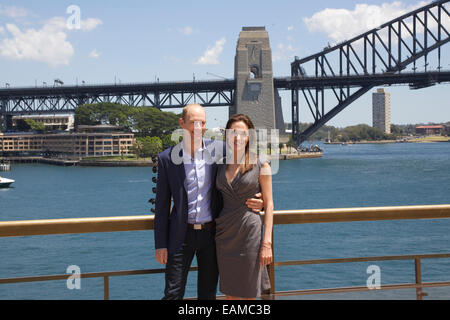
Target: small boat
<point>5,183</point>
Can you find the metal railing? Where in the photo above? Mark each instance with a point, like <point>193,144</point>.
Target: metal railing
<point>145,222</point>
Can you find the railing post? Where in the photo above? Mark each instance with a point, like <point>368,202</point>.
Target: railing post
<point>418,274</point>
<point>106,287</point>
<point>272,270</point>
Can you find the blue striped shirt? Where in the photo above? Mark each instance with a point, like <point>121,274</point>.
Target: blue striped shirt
<point>198,185</point>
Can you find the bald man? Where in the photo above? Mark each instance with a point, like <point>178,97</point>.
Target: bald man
<point>187,227</point>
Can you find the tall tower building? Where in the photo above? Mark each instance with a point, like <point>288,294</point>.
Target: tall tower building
<point>381,110</point>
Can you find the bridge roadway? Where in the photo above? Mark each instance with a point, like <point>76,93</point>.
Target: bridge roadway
<point>327,82</point>
<point>176,94</point>
<point>114,89</point>
<point>229,84</point>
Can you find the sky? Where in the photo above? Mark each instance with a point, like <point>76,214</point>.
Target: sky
<point>143,41</point>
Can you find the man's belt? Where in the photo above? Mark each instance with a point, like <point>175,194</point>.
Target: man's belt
<point>201,226</point>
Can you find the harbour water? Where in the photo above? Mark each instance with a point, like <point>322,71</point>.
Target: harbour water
<point>346,176</point>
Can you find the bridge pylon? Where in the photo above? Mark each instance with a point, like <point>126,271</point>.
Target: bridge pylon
<point>255,94</point>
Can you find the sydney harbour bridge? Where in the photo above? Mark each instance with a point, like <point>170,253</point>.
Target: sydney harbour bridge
<point>324,83</point>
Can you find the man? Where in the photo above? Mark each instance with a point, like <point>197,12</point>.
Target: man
<point>186,227</point>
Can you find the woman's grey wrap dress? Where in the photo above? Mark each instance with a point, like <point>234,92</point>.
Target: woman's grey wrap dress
<point>239,236</point>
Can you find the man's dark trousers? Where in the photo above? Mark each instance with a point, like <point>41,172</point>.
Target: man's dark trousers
<point>202,244</point>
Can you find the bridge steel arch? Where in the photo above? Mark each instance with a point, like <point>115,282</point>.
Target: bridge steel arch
<point>373,58</point>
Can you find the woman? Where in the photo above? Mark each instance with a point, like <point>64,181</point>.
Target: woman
<point>242,250</point>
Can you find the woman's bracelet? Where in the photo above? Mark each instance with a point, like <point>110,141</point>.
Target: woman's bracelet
<point>266,244</point>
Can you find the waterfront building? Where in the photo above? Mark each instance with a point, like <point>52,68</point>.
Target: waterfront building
<point>381,110</point>
<point>63,122</point>
<point>80,144</point>
<point>430,130</point>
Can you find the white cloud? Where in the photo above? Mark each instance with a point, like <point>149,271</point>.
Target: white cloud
<point>13,12</point>
<point>283,52</point>
<point>290,28</point>
<point>55,24</point>
<point>90,24</point>
<point>211,55</point>
<point>187,31</point>
<point>49,44</point>
<point>60,23</point>
<point>94,54</point>
<point>343,24</point>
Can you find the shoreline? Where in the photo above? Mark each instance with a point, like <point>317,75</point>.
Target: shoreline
<point>366,142</point>
<point>415,140</point>
<point>73,162</point>
<point>131,163</point>
<point>116,163</point>
<point>301,155</point>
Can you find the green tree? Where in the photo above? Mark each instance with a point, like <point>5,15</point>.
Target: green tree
<point>152,146</point>
<point>137,147</point>
<point>167,141</point>
<point>143,121</point>
<point>360,132</point>
<point>35,126</point>
<point>396,130</point>
<point>290,143</point>
<point>154,122</point>
<point>104,113</point>
<point>147,146</point>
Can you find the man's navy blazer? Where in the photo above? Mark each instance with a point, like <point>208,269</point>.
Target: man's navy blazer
<point>170,224</point>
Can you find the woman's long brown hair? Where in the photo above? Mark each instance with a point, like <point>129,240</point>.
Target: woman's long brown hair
<point>248,165</point>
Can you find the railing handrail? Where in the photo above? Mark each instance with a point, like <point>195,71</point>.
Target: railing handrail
<point>278,264</point>
<point>418,285</point>
<point>145,222</point>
